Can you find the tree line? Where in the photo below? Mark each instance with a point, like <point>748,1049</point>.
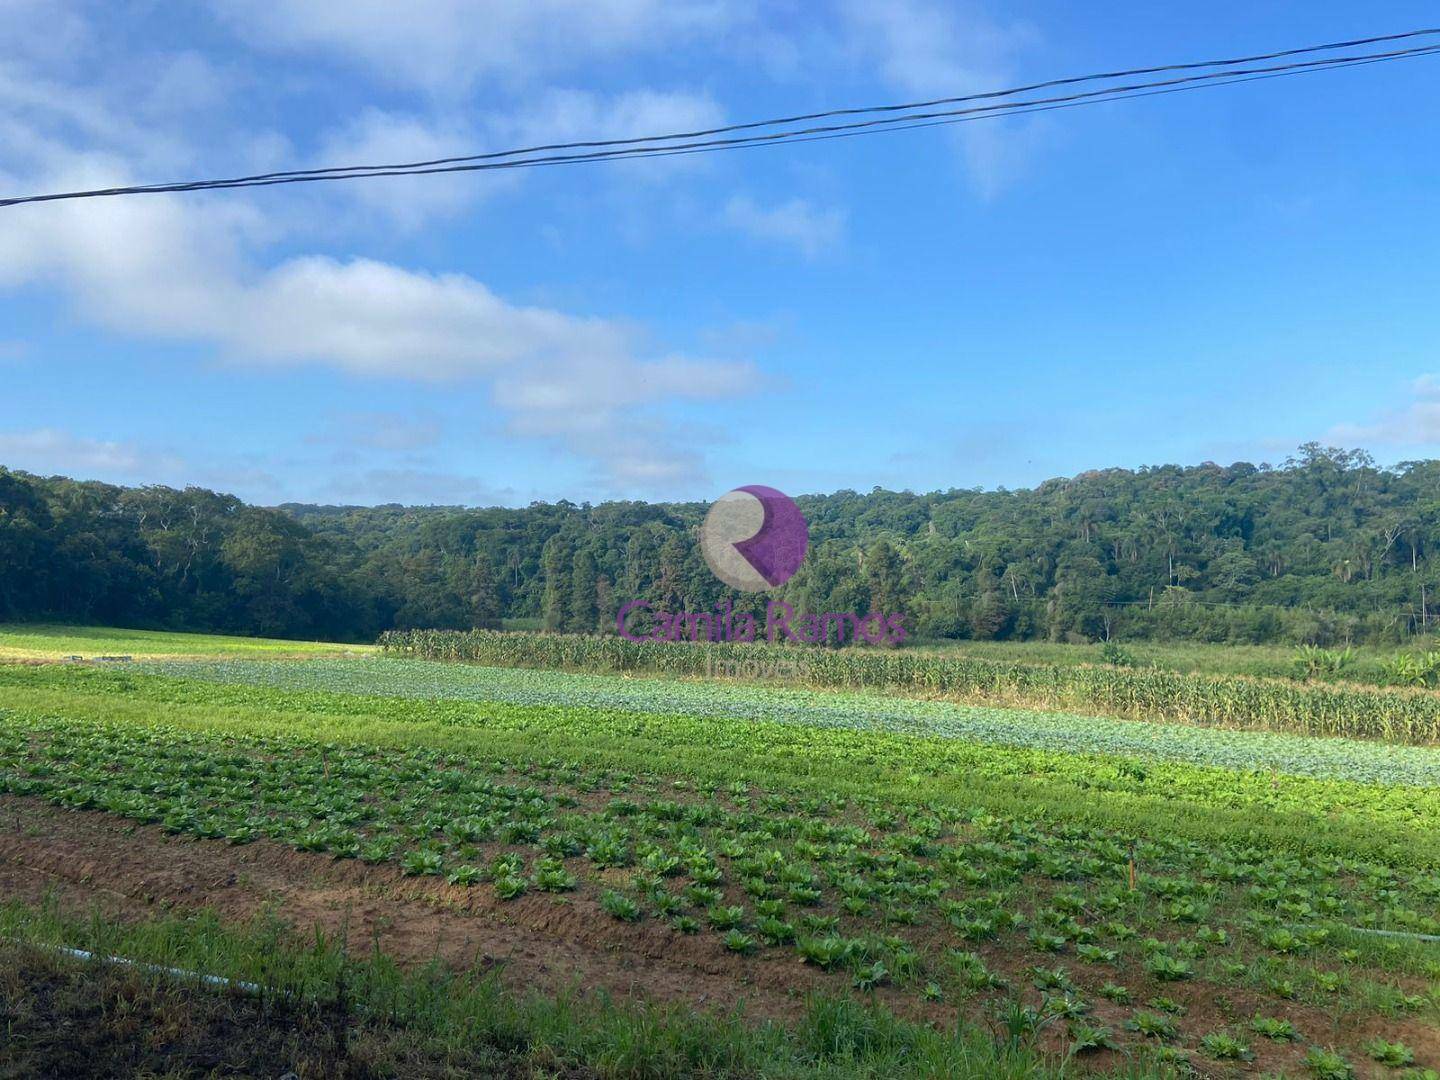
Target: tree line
<point>1326,547</point>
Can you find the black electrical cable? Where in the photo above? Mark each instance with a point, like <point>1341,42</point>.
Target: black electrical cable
<point>754,124</point>
<point>870,127</point>
<point>907,120</point>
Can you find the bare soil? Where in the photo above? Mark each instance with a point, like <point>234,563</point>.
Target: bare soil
<point>544,941</point>
<point>548,942</point>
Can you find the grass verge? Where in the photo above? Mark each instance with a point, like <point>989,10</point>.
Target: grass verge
<point>327,1013</point>
<point>56,641</point>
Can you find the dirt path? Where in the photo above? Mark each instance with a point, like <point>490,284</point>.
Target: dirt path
<point>544,941</point>
<point>539,941</point>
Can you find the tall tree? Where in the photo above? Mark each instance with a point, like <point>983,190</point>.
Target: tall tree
<point>883,573</point>
<point>606,603</point>
<point>555,563</point>
<point>484,596</point>
<point>584,614</point>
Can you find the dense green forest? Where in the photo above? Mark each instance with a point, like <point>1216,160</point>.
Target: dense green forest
<point>1326,547</point>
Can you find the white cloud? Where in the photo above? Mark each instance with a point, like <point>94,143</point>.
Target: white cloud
<point>378,430</point>
<point>1415,424</point>
<point>195,269</point>
<point>564,115</point>
<point>560,115</point>
<point>796,222</point>
<point>416,486</point>
<point>33,106</point>
<point>46,451</point>
<point>46,31</point>
<point>925,46</point>
<point>1427,386</point>
<point>657,464</point>
<point>180,269</point>
<point>251,479</point>
<point>183,83</point>
<point>65,81</point>
<point>927,50</point>
<point>50,451</point>
<point>447,46</point>
<point>53,452</point>
<point>744,336</point>
<point>376,137</point>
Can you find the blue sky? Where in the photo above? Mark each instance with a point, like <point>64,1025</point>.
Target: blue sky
<point>1218,275</point>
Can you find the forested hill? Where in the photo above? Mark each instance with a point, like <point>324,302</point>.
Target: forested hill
<point>1325,547</point>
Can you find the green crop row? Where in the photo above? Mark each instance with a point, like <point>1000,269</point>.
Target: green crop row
<point>882,861</point>
<point>1139,797</point>
<point>1323,757</point>
<point>1410,716</point>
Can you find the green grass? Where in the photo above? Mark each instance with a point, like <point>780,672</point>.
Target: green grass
<point>55,641</point>
<point>364,1016</point>
<point>51,641</point>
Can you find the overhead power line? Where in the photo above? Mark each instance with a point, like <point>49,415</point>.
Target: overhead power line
<point>894,117</point>
<point>870,127</point>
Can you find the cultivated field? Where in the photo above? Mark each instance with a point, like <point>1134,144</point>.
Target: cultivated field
<point>1365,663</point>
<point>56,641</point>
<point>883,883</point>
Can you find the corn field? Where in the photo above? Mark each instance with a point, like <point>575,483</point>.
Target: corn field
<point>1397,715</point>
